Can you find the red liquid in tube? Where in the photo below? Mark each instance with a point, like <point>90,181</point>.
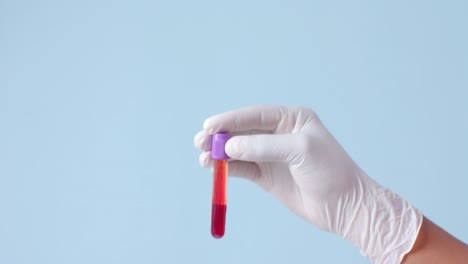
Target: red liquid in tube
<point>218,210</point>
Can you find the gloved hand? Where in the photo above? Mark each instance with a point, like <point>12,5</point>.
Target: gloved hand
<point>288,152</point>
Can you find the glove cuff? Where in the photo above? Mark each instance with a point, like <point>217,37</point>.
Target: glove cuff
<point>384,226</point>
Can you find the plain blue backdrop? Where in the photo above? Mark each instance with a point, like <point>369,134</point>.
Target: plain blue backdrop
<point>100,100</point>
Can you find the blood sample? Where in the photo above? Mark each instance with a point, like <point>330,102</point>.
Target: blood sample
<point>220,170</point>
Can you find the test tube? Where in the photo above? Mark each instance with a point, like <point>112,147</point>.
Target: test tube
<point>220,171</point>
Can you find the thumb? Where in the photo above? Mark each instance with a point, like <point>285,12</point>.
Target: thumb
<point>265,148</point>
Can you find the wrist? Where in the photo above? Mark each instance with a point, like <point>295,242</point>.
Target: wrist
<point>382,225</point>
<point>435,245</point>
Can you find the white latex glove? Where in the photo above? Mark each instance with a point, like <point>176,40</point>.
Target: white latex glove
<point>288,152</point>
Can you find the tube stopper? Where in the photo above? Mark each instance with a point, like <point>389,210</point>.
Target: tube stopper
<point>218,142</point>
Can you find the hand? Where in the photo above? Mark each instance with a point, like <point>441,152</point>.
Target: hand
<point>289,152</point>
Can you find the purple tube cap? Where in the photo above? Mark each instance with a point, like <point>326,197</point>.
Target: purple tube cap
<point>218,142</point>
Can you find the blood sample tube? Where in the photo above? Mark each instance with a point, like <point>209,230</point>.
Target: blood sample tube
<point>220,171</point>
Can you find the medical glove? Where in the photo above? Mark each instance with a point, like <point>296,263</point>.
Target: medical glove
<point>288,152</point>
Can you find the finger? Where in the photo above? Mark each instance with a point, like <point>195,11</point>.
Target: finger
<point>205,159</point>
<point>241,169</point>
<point>260,117</point>
<point>202,140</point>
<point>244,169</point>
<point>267,148</point>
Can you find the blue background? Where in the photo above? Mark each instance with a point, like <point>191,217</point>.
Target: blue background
<point>100,100</point>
